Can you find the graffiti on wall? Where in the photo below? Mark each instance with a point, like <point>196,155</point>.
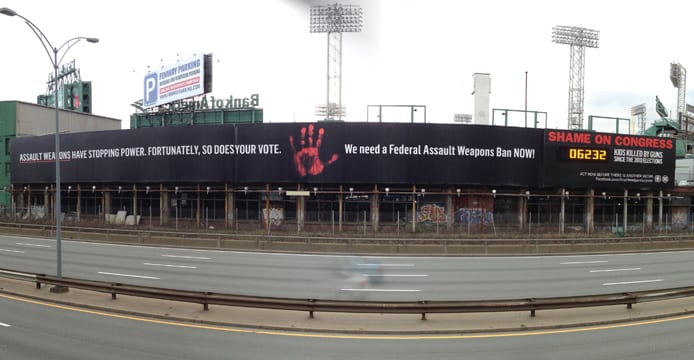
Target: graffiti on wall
<point>431,213</point>
<point>679,218</point>
<point>276,217</point>
<point>474,216</point>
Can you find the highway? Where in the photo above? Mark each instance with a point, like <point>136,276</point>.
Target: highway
<point>322,276</point>
<point>33,331</point>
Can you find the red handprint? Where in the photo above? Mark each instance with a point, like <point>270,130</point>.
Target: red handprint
<point>306,158</point>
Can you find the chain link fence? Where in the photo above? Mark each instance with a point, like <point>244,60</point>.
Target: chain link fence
<point>389,212</point>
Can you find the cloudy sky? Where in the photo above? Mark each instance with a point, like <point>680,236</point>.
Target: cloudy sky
<point>410,52</point>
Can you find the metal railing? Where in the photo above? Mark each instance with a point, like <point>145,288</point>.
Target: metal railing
<point>393,245</point>
<point>19,276</point>
<point>311,306</point>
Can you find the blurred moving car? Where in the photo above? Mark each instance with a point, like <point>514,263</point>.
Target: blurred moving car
<point>357,275</point>
<point>369,269</point>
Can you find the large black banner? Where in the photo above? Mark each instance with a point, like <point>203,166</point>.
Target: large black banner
<point>389,153</point>
<point>297,153</point>
<point>338,153</point>
<point>590,159</point>
<point>132,156</point>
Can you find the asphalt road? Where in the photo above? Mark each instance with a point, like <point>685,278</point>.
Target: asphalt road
<point>323,276</point>
<point>30,331</point>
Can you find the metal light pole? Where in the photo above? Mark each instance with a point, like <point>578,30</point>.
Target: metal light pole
<point>56,63</point>
<point>526,99</point>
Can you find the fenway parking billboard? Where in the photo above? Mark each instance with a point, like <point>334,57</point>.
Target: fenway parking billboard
<point>337,153</point>
<point>175,82</point>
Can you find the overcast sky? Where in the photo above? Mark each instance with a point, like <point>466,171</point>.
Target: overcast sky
<point>418,52</point>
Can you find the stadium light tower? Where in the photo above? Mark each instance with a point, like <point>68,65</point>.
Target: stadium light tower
<point>579,39</point>
<point>678,76</point>
<point>638,119</point>
<point>334,19</point>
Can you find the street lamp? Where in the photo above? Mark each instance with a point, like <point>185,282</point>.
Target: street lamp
<point>56,63</point>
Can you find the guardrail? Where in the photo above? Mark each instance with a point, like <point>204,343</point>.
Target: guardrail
<point>388,307</point>
<point>393,245</point>
<point>19,275</point>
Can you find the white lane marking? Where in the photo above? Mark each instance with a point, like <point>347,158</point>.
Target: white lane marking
<point>395,275</point>
<point>173,266</point>
<point>632,282</point>
<point>150,247</point>
<point>127,275</point>
<point>382,290</point>
<point>4,325</point>
<point>12,251</point>
<point>582,262</point>
<point>370,265</point>
<point>611,270</point>
<point>34,245</point>
<point>398,265</point>
<point>187,257</point>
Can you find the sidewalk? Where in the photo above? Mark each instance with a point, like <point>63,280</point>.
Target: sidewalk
<point>281,320</point>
